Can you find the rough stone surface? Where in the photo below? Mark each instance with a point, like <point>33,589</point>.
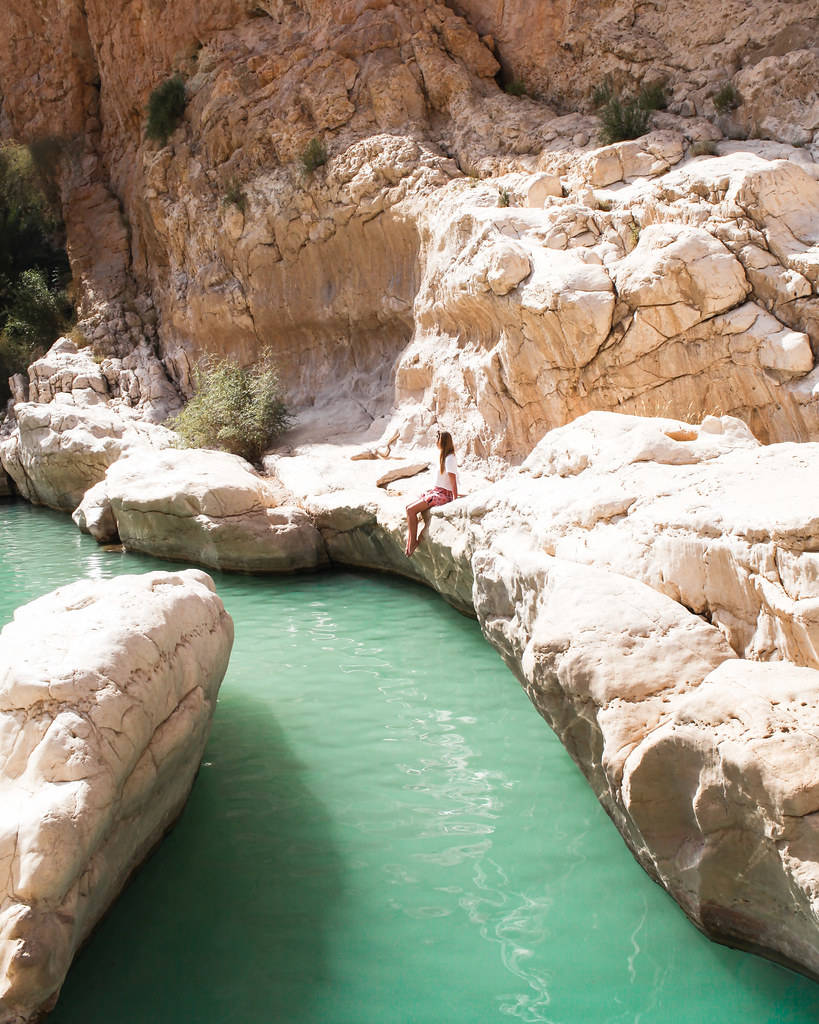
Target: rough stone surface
<point>472,260</point>
<point>107,690</point>
<point>59,450</point>
<point>139,380</point>
<point>200,506</point>
<point>458,254</point>
<point>766,51</point>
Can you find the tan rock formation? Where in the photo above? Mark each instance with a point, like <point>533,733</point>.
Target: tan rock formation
<point>106,695</point>
<point>508,319</point>
<point>562,50</point>
<point>138,381</point>
<point>691,291</point>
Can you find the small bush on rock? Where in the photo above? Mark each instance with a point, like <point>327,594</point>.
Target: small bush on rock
<point>515,88</point>
<point>313,156</point>
<point>504,198</point>
<point>727,98</point>
<point>602,93</point>
<point>235,195</point>
<point>236,409</point>
<point>622,119</point>
<point>704,147</point>
<point>166,105</point>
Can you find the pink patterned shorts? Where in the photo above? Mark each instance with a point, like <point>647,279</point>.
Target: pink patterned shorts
<point>437,496</point>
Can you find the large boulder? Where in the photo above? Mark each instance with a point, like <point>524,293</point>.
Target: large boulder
<point>201,506</point>
<point>107,690</point>
<point>706,763</point>
<point>59,449</point>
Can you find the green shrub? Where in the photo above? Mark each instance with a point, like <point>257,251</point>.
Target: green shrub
<point>653,97</point>
<point>33,265</point>
<point>166,105</point>
<point>313,156</point>
<point>515,88</point>
<point>703,148</point>
<point>237,409</point>
<point>31,234</point>
<point>504,199</point>
<point>37,313</point>
<point>622,119</point>
<point>234,194</point>
<point>727,98</point>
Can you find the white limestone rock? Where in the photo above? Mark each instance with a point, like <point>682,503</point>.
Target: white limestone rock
<point>139,380</point>
<point>107,690</point>
<point>59,450</point>
<point>725,794</point>
<point>201,506</point>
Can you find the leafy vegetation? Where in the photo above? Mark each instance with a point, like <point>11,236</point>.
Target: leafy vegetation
<point>34,269</point>
<point>166,105</point>
<point>602,93</point>
<point>504,198</point>
<point>652,96</point>
<point>726,98</point>
<point>626,117</point>
<point>313,156</point>
<point>235,195</point>
<point>236,409</point>
<point>516,87</point>
<point>622,119</point>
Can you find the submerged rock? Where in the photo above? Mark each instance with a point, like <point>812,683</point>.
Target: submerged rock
<point>107,690</point>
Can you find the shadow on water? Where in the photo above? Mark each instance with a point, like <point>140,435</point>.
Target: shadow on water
<point>232,911</point>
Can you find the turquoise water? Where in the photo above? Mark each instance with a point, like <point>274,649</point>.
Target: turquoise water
<point>383,832</point>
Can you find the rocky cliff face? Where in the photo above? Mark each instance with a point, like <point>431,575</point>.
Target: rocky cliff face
<point>561,49</point>
<point>464,254</point>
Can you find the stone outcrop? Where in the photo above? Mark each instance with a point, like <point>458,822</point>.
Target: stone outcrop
<point>200,506</point>
<point>627,572</point>
<point>695,290</point>
<point>766,52</point>
<point>106,695</point>
<point>59,450</point>
<point>138,381</point>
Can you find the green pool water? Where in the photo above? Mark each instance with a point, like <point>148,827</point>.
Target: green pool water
<point>383,832</point>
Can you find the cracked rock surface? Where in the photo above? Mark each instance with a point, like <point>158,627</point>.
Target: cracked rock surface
<point>107,690</point>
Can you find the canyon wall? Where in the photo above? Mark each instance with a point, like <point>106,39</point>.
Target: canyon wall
<point>464,255</point>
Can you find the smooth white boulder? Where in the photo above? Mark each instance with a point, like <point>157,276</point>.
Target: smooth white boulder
<point>202,506</point>
<point>107,690</point>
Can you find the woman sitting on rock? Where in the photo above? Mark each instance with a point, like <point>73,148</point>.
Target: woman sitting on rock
<point>444,491</point>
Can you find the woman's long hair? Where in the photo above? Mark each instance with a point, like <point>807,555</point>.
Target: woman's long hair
<point>445,446</point>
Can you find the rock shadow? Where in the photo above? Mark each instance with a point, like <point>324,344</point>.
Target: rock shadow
<point>228,920</point>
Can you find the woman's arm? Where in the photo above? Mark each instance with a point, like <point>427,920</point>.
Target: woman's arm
<point>453,484</point>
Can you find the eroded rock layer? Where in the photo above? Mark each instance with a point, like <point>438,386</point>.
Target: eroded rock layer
<point>462,253</point>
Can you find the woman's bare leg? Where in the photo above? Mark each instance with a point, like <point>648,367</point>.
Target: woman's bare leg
<point>412,523</point>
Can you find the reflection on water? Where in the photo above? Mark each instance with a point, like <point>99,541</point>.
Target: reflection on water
<point>383,832</point>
